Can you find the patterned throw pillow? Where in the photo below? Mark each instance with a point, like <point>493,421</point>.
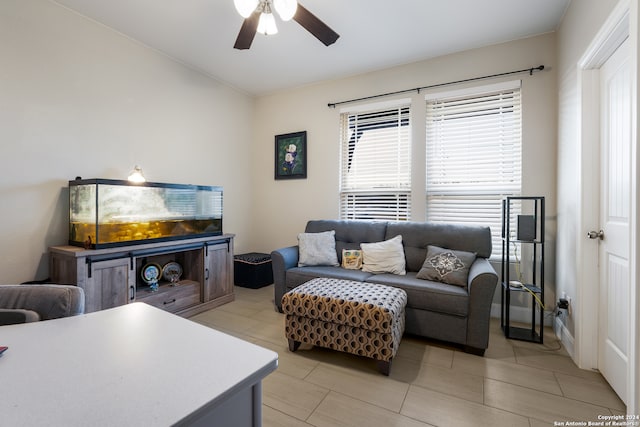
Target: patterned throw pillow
<point>317,249</point>
<point>446,266</point>
<point>352,259</point>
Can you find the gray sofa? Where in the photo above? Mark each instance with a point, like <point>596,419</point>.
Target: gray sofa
<point>436,310</point>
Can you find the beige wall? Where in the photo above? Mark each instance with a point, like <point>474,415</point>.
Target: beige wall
<point>582,21</point>
<point>78,99</point>
<point>283,207</point>
<point>82,100</point>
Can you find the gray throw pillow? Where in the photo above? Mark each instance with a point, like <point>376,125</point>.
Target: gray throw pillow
<point>317,249</point>
<point>446,266</point>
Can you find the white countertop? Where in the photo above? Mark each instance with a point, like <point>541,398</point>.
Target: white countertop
<point>131,365</point>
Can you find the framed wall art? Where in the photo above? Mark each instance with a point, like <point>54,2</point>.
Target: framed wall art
<point>291,156</point>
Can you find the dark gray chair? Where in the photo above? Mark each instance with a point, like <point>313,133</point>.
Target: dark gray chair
<point>31,303</point>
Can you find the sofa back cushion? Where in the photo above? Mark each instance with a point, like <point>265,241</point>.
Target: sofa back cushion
<point>49,301</point>
<point>417,236</point>
<point>350,233</point>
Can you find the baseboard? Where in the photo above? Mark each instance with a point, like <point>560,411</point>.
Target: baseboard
<point>520,314</point>
<point>562,333</point>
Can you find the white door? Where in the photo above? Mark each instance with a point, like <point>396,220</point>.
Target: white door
<point>615,210</point>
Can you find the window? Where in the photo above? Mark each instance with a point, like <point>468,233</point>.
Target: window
<point>375,179</point>
<point>473,155</point>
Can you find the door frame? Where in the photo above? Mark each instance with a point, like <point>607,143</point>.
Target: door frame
<point>622,23</point>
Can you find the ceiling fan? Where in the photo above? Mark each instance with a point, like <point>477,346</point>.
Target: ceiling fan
<point>258,16</point>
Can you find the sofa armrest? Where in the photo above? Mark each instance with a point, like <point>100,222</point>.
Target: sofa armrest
<point>282,260</point>
<point>10,316</point>
<point>482,286</point>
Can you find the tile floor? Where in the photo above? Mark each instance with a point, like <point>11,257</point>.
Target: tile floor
<point>431,384</point>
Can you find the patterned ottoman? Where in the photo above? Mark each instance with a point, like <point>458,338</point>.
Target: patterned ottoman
<point>360,318</point>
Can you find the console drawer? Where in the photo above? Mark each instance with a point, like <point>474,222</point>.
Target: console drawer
<point>172,298</point>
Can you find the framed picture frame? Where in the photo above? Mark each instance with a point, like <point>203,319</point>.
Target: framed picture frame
<point>291,155</point>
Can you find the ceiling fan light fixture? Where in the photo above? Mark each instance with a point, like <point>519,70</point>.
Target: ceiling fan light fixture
<point>263,21</point>
<point>286,8</point>
<point>246,7</point>
<point>267,24</point>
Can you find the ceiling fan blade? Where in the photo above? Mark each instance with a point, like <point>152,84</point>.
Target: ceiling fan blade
<point>247,32</point>
<point>315,26</point>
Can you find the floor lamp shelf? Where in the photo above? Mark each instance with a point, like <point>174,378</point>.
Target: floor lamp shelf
<point>522,269</point>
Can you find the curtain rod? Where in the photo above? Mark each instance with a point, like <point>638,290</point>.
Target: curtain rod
<point>418,89</point>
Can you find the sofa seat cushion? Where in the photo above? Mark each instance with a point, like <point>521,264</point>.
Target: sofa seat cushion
<point>427,295</point>
<point>299,275</point>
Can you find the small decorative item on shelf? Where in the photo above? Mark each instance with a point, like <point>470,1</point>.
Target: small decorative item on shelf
<point>151,273</point>
<point>171,272</point>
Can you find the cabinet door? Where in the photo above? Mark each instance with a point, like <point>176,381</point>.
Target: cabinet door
<point>63,269</point>
<point>108,284</point>
<point>218,271</point>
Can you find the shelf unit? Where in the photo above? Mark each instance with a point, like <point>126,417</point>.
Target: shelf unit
<point>527,234</point>
<point>111,277</point>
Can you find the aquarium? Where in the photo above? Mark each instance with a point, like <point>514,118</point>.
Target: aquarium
<point>105,213</point>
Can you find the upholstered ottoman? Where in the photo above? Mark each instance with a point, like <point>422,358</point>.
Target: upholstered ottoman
<point>360,318</point>
<point>252,270</point>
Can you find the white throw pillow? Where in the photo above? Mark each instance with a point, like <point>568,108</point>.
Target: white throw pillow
<point>317,249</point>
<point>384,257</point>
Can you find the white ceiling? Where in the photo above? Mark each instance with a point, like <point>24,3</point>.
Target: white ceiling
<point>374,34</point>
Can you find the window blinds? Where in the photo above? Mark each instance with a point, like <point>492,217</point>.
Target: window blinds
<point>376,164</point>
<point>473,156</point>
